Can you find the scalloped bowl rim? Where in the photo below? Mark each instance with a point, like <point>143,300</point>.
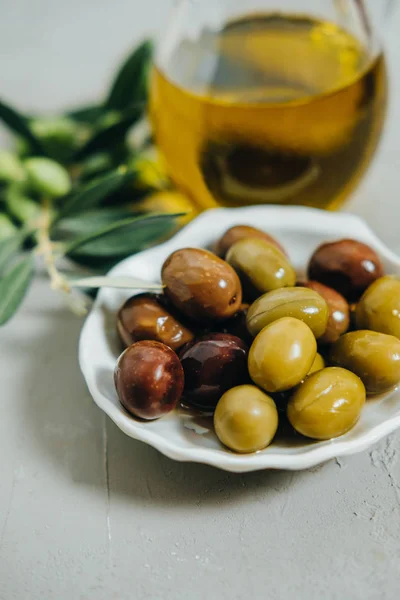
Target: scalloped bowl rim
<point>301,220</point>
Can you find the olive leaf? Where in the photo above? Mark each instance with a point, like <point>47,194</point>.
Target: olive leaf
<point>129,283</point>
<point>13,287</point>
<point>7,227</point>
<point>19,124</point>
<point>124,237</point>
<point>96,265</point>
<point>87,114</point>
<point>93,193</point>
<point>9,248</point>
<point>94,222</point>
<point>130,84</point>
<point>88,222</point>
<point>110,135</point>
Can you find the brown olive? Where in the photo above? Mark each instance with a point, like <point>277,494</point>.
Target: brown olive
<point>149,379</point>
<point>144,317</point>
<point>201,285</point>
<point>260,266</point>
<point>212,365</point>
<point>246,419</point>
<point>379,308</point>
<point>282,355</point>
<point>298,302</point>
<point>339,311</point>
<point>327,404</point>
<point>239,232</point>
<point>347,266</point>
<point>374,357</point>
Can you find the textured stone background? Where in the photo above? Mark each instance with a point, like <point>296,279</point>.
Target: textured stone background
<point>87,513</point>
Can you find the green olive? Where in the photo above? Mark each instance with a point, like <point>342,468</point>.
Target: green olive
<point>374,357</point>
<point>298,302</point>
<point>317,365</point>
<point>11,168</point>
<point>327,404</point>
<point>246,419</point>
<point>59,136</point>
<point>282,355</point>
<point>47,177</point>
<point>21,206</point>
<point>261,266</point>
<point>379,307</point>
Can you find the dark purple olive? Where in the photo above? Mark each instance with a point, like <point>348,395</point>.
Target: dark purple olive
<point>146,317</point>
<point>149,379</point>
<point>212,365</point>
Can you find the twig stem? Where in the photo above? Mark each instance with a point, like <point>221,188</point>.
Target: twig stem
<point>46,248</point>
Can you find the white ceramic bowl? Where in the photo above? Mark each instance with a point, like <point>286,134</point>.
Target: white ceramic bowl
<point>184,437</point>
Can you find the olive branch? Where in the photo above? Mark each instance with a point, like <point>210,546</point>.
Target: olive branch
<point>82,186</point>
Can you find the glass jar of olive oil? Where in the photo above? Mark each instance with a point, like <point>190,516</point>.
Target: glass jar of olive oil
<point>283,103</point>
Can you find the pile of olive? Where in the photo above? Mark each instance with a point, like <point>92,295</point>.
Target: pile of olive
<point>237,335</point>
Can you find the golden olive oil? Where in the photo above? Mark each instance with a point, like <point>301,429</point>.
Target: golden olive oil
<point>276,109</point>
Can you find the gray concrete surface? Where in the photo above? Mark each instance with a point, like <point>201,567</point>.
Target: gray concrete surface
<point>87,513</point>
